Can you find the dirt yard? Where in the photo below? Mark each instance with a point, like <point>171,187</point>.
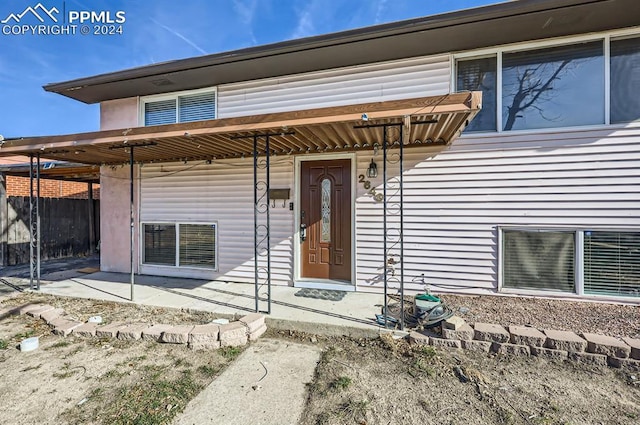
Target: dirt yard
<point>384,381</point>
<point>390,382</point>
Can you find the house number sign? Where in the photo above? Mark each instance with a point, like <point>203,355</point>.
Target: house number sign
<point>371,190</point>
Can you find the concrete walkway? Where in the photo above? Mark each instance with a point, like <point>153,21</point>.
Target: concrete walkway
<point>265,385</point>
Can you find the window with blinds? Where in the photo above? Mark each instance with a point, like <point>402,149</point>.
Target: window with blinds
<point>198,245</point>
<point>197,107</point>
<point>160,244</point>
<point>180,245</point>
<point>160,112</point>
<point>547,260</point>
<point>612,263</point>
<point>542,260</point>
<point>180,108</point>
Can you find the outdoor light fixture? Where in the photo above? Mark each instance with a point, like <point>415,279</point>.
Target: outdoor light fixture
<point>372,171</point>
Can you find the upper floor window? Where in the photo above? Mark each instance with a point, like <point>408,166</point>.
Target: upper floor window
<point>480,75</point>
<point>625,80</point>
<point>182,107</point>
<point>560,86</point>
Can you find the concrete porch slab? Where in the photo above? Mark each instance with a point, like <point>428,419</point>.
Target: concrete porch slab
<point>353,315</point>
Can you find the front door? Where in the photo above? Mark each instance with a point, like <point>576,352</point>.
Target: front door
<point>325,217</point>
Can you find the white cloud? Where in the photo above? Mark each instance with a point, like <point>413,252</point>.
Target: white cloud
<point>246,10</point>
<point>305,26</point>
<point>381,5</point>
<point>180,36</point>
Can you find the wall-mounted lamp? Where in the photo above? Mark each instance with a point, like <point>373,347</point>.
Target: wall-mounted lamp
<point>372,171</point>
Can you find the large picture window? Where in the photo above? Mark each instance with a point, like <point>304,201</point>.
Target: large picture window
<point>557,86</point>
<point>580,261</point>
<point>180,245</point>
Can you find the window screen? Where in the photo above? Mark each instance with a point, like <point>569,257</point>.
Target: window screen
<point>480,75</point>
<point>625,80</point>
<point>160,112</point>
<point>197,107</point>
<point>198,245</point>
<point>612,263</point>
<point>538,260</point>
<point>160,244</point>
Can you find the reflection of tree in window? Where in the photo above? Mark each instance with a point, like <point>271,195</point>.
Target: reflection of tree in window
<point>560,86</point>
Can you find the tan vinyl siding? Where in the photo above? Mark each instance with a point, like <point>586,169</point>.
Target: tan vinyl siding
<point>456,200</point>
<point>222,193</point>
<point>456,197</point>
<point>367,83</point>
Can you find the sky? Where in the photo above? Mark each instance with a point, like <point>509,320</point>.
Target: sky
<point>155,31</point>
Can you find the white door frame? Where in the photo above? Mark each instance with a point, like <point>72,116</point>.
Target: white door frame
<point>298,281</point>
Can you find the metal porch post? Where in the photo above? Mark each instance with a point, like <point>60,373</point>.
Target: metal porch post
<point>255,223</point>
<point>268,178</point>
<point>32,236</point>
<point>34,224</point>
<point>384,223</point>
<point>92,223</point>
<point>131,212</point>
<point>261,205</point>
<point>400,165</point>
<point>38,245</point>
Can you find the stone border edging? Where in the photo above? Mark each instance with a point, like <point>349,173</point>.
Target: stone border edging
<point>208,336</point>
<point>595,349</point>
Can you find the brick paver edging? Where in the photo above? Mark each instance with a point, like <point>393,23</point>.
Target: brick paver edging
<point>209,336</point>
<point>588,348</point>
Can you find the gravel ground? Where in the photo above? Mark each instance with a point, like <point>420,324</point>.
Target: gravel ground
<point>577,316</point>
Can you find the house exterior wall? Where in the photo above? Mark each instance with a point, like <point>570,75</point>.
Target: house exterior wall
<point>119,113</point>
<point>115,218</point>
<point>220,193</point>
<point>376,82</point>
<point>456,197</point>
<point>114,210</point>
<point>403,79</point>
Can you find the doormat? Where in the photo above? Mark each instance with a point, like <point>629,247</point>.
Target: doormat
<point>89,270</point>
<point>321,294</point>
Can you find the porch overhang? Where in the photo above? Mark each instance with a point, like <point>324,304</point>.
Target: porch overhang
<point>435,120</point>
<point>56,170</point>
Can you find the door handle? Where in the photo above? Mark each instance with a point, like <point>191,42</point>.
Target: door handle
<point>303,232</point>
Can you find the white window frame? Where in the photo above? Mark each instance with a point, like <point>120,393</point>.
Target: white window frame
<point>578,262</point>
<point>498,52</point>
<point>143,100</point>
<point>177,265</point>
